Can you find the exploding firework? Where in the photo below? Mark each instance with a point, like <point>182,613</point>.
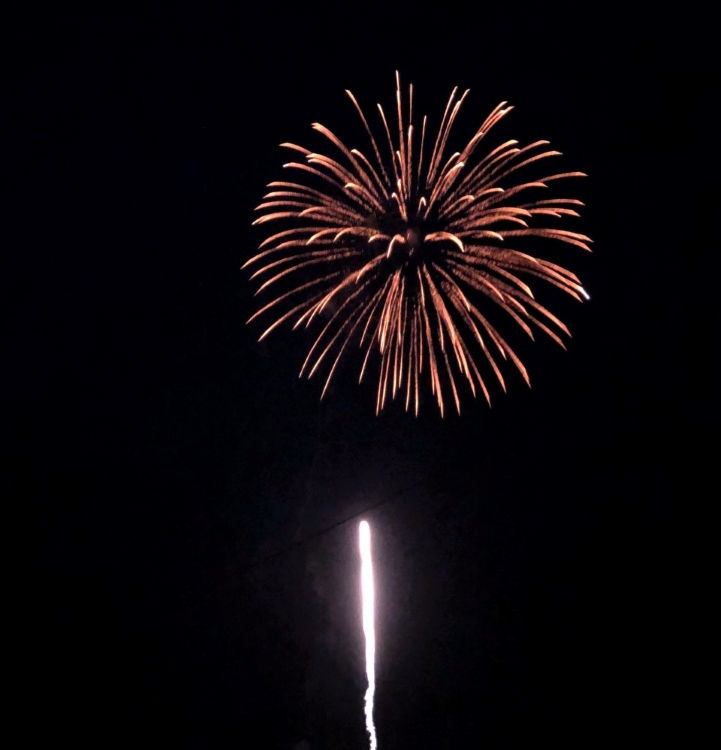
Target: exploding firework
<point>398,256</point>
<point>368,597</point>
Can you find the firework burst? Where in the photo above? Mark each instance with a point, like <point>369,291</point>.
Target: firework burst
<point>398,256</point>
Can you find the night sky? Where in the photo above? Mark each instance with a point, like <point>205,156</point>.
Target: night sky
<point>195,505</point>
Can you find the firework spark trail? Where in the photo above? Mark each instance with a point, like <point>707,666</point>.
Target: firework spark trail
<point>368,626</point>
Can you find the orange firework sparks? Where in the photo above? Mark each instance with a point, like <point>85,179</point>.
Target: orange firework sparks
<point>396,256</point>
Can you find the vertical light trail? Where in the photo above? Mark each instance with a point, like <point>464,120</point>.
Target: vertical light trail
<point>368,595</point>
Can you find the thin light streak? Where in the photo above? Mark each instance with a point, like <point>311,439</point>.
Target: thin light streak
<point>368,594</point>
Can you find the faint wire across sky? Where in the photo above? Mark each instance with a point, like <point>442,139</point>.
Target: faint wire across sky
<point>311,536</point>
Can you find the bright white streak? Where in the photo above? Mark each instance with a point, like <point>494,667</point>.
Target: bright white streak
<point>368,595</point>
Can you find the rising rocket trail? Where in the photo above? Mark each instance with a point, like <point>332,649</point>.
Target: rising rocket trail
<point>368,595</point>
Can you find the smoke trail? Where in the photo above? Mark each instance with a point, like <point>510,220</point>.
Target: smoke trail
<point>368,626</point>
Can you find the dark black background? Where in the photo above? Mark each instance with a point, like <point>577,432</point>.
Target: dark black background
<point>195,580</point>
